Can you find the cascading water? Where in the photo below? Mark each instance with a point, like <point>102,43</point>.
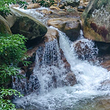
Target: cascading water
<point>50,72</point>
<point>49,69</point>
<point>47,84</point>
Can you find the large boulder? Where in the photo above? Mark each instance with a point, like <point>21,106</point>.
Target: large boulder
<point>4,26</point>
<point>96,20</point>
<point>71,26</point>
<point>28,27</point>
<point>31,28</point>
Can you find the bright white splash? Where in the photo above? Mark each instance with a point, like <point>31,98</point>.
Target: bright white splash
<point>89,78</point>
<point>50,71</point>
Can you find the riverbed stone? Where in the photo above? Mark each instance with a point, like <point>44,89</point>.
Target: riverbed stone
<point>70,79</point>
<point>71,26</point>
<point>45,11</point>
<point>54,8</point>
<point>96,20</point>
<point>33,6</point>
<point>81,8</point>
<point>4,26</point>
<point>51,35</point>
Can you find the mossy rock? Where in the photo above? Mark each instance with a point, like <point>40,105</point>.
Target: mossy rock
<point>95,20</point>
<point>4,27</point>
<point>28,26</point>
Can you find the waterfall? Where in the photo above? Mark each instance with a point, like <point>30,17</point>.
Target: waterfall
<point>48,87</point>
<point>49,68</point>
<point>50,71</point>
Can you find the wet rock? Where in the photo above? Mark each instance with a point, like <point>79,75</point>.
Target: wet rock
<point>4,26</point>
<point>51,35</point>
<point>62,12</point>
<point>81,8</point>
<point>85,49</point>
<point>44,11</point>
<point>106,64</point>
<point>70,26</point>
<point>102,103</point>
<point>70,79</point>
<point>54,8</point>
<point>33,6</point>
<point>96,19</point>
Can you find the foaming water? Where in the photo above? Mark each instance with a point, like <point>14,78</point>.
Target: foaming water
<point>49,68</point>
<point>55,95</point>
<point>46,89</point>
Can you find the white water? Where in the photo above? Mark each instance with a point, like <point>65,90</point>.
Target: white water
<point>89,78</point>
<point>50,71</point>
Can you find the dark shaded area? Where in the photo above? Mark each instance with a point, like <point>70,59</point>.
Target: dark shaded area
<point>104,48</point>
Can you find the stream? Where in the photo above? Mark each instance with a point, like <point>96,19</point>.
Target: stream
<point>53,91</point>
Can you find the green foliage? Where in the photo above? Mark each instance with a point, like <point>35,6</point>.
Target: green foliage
<point>4,6</point>
<point>45,3</point>
<point>5,94</point>
<point>12,49</point>
<point>6,72</point>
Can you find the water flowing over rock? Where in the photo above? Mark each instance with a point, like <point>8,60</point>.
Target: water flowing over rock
<point>60,79</point>
<point>70,26</point>
<point>85,49</point>
<point>96,20</point>
<point>49,72</point>
<point>4,26</point>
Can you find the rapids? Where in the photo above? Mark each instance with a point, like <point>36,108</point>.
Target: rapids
<point>50,72</point>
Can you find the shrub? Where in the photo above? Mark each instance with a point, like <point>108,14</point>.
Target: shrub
<point>5,103</point>
<point>4,6</point>
<point>12,49</point>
